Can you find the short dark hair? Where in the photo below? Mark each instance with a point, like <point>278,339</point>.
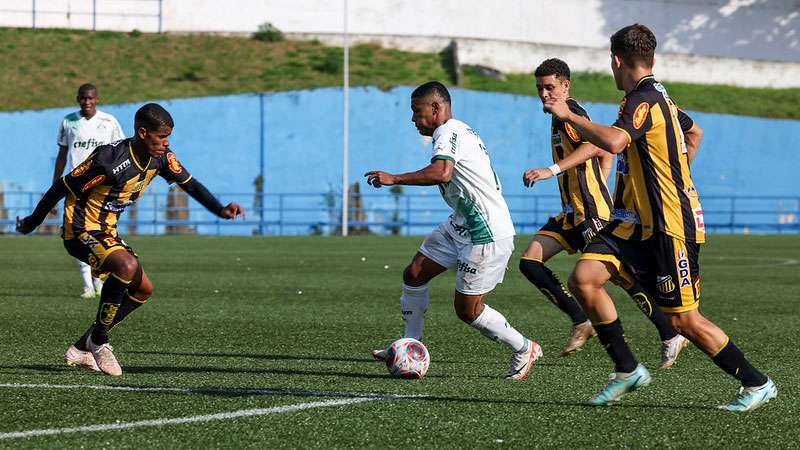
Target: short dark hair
<point>86,87</point>
<point>152,116</point>
<point>635,44</point>
<point>553,66</point>
<point>431,88</point>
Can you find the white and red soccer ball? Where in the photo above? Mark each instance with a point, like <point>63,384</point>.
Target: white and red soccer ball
<point>408,358</point>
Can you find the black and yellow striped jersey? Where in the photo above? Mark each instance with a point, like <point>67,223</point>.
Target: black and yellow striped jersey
<point>110,180</point>
<point>584,193</point>
<point>654,192</point>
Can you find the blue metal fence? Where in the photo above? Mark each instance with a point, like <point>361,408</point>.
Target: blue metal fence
<point>385,213</point>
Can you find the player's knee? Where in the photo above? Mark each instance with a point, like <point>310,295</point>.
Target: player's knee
<point>144,291</point>
<point>126,267</point>
<point>686,323</point>
<point>412,275</point>
<point>466,313</point>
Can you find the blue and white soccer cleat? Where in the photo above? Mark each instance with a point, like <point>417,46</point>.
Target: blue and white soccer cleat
<point>750,398</point>
<point>620,384</point>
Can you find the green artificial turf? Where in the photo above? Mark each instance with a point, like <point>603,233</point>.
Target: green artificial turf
<point>300,315</point>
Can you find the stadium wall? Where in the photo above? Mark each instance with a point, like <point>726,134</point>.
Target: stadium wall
<point>740,42</point>
<point>219,139</point>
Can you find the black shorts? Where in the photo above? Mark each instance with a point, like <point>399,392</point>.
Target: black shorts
<point>572,238</point>
<point>666,267</point>
<point>93,247</point>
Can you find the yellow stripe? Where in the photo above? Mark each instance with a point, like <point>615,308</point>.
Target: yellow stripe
<point>613,260</point>
<point>604,322</point>
<point>130,149</point>
<point>727,340</point>
<point>531,259</point>
<point>94,206</point>
<point>135,299</point>
<point>187,180</point>
<point>121,279</point>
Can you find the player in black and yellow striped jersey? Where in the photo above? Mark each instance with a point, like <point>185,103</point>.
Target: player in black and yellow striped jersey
<point>657,227</point>
<point>586,209</point>
<point>98,191</point>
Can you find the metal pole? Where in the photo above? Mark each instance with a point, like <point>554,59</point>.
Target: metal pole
<point>345,128</point>
<point>94,15</point>
<point>262,158</point>
<point>33,14</point>
<point>160,9</point>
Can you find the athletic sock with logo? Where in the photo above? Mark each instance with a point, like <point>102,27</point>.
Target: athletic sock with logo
<point>652,311</point>
<point>730,359</point>
<point>552,288</point>
<point>494,325</point>
<point>612,337</point>
<point>413,304</point>
<point>110,299</point>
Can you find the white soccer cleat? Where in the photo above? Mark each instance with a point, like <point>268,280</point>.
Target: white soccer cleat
<point>88,292</point>
<point>104,357</point>
<point>522,361</point>
<point>750,398</point>
<point>79,358</point>
<point>670,349</point>
<point>381,354</point>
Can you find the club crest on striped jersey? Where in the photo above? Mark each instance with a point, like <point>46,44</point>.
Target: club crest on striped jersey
<point>640,114</point>
<point>93,182</point>
<point>173,163</point>
<point>572,132</point>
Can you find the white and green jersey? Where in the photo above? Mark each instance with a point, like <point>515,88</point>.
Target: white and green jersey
<point>480,213</point>
<point>81,135</point>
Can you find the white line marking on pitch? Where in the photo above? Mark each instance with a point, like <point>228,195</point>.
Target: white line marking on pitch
<point>350,398</point>
<point>182,420</point>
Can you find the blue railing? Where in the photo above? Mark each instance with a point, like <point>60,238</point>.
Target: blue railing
<point>386,213</point>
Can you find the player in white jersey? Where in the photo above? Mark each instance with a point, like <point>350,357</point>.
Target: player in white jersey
<point>78,134</point>
<point>476,240</point>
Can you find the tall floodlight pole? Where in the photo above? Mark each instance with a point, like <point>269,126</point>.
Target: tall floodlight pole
<point>345,128</point>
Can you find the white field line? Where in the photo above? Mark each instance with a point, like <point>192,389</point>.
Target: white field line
<point>182,420</point>
<point>349,398</point>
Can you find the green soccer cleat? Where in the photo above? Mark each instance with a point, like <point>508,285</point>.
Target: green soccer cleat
<point>750,398</point>
<point>620,384</point>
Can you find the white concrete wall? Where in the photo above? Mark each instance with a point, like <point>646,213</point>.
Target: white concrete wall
<point>698,39</point>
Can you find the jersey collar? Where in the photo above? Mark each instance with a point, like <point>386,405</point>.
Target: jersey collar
<point>646,77</point>
<point>133,157</point>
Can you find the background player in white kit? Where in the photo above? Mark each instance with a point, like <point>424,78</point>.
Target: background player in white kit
<point>78,134</point>
<point>476,240</point>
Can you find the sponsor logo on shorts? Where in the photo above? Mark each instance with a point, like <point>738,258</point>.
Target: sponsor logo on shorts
<point>173,163</point>
<point>643,303</point>
<point>464,267</point>
<point>82,168</point>
<point>93,182</point>
<point>697,287</point>
<point>93,261</point>
<point>640,115</point>
<point>88,240</point>
<point>683,269</point>
<point>664,284</point>
<point>110,241</point>
<point>107,313</point>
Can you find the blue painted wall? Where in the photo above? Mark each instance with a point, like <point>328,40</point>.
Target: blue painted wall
<point>219,140</point>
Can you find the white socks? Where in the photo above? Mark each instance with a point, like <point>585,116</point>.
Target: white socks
<point>413,304</point>
<point>86,274</point>
<point>494,325</point>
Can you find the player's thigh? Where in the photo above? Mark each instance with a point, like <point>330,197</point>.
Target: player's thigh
<point>99,249</point>
<point>437,253</point>
<point>552,238</point>
<point>481,267</point>
<point>542,248</point>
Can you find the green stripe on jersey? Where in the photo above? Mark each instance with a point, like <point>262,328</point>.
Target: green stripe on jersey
<point>479,231</point>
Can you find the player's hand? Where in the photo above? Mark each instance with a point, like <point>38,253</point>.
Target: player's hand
<point>557,107</point>
<point>533,175</point>
<point>24,225</point>
<point>376,178</point>
<point>232,211</point>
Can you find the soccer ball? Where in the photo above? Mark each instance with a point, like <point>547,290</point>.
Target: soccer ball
<point>408,358</point>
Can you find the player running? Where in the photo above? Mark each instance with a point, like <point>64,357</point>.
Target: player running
<point>476,240</point>
<point>112,178</point>
<point>78,135</point>
<point>582,170</point>
<point>657,228</point>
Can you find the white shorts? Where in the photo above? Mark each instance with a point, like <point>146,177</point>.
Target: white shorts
<point>479,267</point>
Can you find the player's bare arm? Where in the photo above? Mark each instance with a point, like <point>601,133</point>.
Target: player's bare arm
<point>439,171</point>
<point>693,138</point>
<point>61,162</point>
<point>607,138</point>
<point>583,153</point>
